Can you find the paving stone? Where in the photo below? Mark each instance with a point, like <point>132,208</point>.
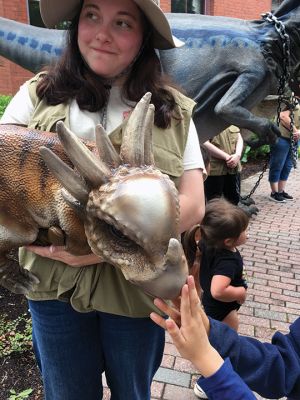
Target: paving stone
<point>178,393</point>
<point>167,375</point>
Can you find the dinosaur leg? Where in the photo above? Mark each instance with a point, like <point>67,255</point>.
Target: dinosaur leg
<point>15,278</point>
<point>12,276</point>
<point>232,106</point>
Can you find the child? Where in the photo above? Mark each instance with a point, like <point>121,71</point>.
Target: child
<point>270,369</point>
<point>218,377</point>
<point>223,229</point>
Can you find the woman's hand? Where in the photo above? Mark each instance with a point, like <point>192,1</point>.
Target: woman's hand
<point>191,337</point>
<point>59,253</point>
<point>296,135</point>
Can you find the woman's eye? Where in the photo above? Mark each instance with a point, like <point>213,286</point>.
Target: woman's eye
<point>91,15</point>
<point>123,24</point>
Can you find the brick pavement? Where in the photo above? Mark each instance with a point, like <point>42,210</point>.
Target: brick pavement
<point>272,263</point>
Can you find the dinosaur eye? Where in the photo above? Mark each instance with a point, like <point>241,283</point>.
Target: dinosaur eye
<point>119,235</point>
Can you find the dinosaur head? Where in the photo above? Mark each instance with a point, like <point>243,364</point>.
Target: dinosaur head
<point>131,209</point>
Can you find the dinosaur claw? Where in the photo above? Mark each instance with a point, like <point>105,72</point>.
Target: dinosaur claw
<point>16,279</point>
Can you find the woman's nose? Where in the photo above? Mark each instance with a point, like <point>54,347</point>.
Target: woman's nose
<point>103,33</point>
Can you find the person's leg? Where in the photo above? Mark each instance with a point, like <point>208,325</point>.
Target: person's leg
<point>213,187</point>
<point>232,320</point>
<point>231,188</point>
<point>67,347</point>
<point>286,169</point>
<point>133,350</point>
<point>278,154</point>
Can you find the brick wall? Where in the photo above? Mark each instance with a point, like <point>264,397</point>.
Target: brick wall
<point>11,75</point>
<point>245,9</point>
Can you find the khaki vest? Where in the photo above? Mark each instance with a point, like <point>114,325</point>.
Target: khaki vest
<point>226,141</point>
<point>284,131</point>
<point>103,287</point>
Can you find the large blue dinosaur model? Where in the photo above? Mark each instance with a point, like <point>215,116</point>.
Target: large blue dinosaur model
<point>228,65</point>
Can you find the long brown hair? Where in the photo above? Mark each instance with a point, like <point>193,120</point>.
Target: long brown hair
<point>71,78</point>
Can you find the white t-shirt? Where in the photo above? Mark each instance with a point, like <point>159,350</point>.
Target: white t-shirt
<point>83,123</point>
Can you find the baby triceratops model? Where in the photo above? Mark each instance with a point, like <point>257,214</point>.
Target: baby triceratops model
<point>117,205</point>
<point>228,65</point>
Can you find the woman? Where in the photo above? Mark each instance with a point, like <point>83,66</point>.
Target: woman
<point>89,319</point>
<point>281,156</point>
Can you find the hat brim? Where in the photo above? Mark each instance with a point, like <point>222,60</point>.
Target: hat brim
<point>55,11</point>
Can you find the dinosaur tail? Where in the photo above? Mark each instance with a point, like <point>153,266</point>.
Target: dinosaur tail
<point>29,46</point>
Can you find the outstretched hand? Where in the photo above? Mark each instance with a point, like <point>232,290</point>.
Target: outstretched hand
<point>188,329</point>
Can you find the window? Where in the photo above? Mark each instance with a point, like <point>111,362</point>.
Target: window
<point>35,16</point>
<point>34,13</point>
<point>188,6</point>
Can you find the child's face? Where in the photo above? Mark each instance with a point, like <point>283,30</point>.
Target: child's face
<point>242,238</point>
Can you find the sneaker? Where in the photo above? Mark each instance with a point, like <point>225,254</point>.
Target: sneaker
<point>286,196</point>
<point>278,197</point>
<point>199,392</point>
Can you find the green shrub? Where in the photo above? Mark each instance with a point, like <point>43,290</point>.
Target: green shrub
<point>20,396</point>
<point>254,154</point>
<point>4,100</point>
<point>15,336</point>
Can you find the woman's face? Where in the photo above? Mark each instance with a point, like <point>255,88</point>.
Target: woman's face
<point>110,34</point>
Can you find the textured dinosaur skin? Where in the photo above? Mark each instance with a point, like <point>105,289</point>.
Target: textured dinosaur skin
<point>119,206</point>
<point>228,65</point>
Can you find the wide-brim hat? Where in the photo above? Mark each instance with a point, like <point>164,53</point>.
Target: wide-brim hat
<point>56,11</point>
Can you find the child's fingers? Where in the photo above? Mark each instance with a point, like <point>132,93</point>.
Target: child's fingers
<point>194,298</point>
<point>175,333</point>
<point>158,320</point>
<point>185,309</point>
<point>166,309</point>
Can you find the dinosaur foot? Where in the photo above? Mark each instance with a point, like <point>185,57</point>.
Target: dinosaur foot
<point>249,210</point>
<point>15,278</point>
<point>248,201</point>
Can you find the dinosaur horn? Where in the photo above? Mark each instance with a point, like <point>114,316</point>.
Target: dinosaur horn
<point>65,175</point>
<point>149,121</point>
<point>132,148</point>
<point>89,166</point>
<point>106,150</point>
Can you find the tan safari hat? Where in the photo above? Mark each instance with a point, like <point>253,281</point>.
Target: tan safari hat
<point>55,11</point>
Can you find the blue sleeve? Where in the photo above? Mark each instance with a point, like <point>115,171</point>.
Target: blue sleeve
<point>226,384</point>
<point>270,369</point>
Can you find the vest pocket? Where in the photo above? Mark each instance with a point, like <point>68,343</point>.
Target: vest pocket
<point>168,162</point>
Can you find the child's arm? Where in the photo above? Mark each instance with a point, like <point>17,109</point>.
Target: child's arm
<point>270,369</point>
<point>220,382</point>
<point>215,151</point>
<point>221,290</point>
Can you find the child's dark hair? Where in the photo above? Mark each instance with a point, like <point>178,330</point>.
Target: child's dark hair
<point>222,220</point>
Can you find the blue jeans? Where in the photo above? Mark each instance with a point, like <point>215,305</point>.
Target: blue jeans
<point>73,349</point>
<point>280,161</point>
